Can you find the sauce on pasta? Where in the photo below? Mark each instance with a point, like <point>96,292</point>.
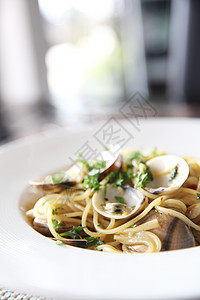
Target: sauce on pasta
<point>130,202</point>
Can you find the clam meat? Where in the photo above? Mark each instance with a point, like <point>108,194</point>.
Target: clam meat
<point>118,202</point>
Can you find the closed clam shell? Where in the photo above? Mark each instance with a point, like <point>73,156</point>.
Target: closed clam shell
<point>173,232</point>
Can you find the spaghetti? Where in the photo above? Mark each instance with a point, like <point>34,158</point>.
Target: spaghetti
<point>135,203</point>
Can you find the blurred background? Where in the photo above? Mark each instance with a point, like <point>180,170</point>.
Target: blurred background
<point>70,62</point>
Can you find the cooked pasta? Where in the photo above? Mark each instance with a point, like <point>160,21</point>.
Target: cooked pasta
<point>129,202</point>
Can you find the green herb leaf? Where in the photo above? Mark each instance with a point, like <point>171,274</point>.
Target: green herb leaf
<point>174,173</point>
<point>92,241</point>
<point>198,196</point>
<point>74,233</point>
<point>105,191</point>
<point>116,178</point>
<point>154,151</point>
<point>99,225</point>
<point>57,225</point>
<point>60,243</point>
<point>55,211</point>
<point>135,155</point>
<point>128,175</point>
<point>92,182</point>
<point>120,178</point>
<point>99,165</point>
<point>143,177</point>
<point>132,226</point>
<point>120,199</point>
<point>59,177</point>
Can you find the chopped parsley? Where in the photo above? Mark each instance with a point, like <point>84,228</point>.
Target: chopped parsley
<point>92,182</point>
<point>155,151</point>
<point>143,177</point>
<point>56,179</point>
<point>99,225</point>
<point>74,233</point>
<point>119,178</point>
<point>132,226</point>
<point>120,199</point>
<point>174,173</point>
<point>198,196</point>
<point>57,225</point>
<point>98,165</point>
<point>116,178</point>
<point>55,211</point>
<point>60,243</point>
<point>92,241</point>
<point>92,179</point>
<point>105,191</point>
<point>59,178</point>
<point>135,155</point>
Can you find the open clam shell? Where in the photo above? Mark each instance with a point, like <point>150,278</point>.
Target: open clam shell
<point>41,226</point>
<point>118,202</point>
<point>113,164</point>
<point>59,181</point>
<point>62,180</point>
<point>169,173</point>
<point>112,159</point>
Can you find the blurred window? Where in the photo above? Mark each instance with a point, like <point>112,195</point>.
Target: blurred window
<point>91,62</point>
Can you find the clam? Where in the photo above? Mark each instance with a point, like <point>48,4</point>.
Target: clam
<point>60,181</point>
<point>169,173</point>
<point>118,202</point>
<point>42,227</point>
<point>113,163</point>
<point>112,159</point>
<point>73,242</point>
<point>173,232</point>
<point>193,212</point>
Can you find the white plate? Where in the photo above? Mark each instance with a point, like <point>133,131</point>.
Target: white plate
<point>35,265</point>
